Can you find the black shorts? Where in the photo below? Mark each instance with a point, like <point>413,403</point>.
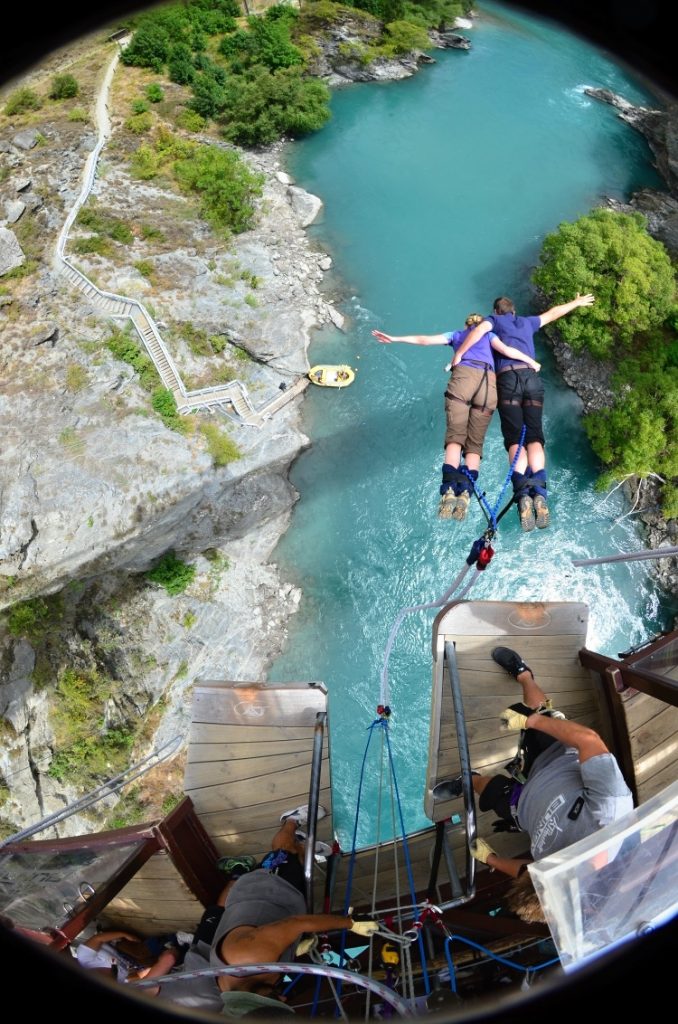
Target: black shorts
<point>520,401</point>
<point>501,792</point>
<point>207,928</point>
<point>289,868</point>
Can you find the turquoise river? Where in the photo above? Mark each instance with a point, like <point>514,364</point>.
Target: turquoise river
<point>438,192</point>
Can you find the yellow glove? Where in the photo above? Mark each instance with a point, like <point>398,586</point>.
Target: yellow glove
<point>511,721</point>
<point>304,945</point>
<point>481,850</point>
<point>364,925</point>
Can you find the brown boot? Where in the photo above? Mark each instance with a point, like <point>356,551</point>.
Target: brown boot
<point>541,511</point>
<point>526,513</point>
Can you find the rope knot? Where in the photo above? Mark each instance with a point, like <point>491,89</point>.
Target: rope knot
<point>383,710</point>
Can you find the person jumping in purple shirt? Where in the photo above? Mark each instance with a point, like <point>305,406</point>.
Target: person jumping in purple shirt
<point>520,396</point>
<point>470,400</point>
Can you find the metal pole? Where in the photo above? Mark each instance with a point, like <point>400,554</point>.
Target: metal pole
<point>465,759</point>
<point>636,556</point>
<point>314,789</point>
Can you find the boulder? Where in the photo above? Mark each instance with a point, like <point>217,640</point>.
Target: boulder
<point>13,210</point>
<point>305,206</point>
<point>11,253</point>
<point>26,139</point>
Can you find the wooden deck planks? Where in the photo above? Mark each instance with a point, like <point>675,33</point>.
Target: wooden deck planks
<point>548,637</point>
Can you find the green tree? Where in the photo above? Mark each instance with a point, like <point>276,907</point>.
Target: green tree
<point>171,573</point>
<point>612,255</point>
<point>260,107</point>
<point>149,48</point>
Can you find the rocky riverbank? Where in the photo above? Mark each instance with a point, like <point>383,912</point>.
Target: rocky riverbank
<point>591,378</point>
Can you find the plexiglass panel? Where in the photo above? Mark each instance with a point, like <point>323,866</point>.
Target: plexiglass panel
<point>615,884</point>
<point>44,889</point>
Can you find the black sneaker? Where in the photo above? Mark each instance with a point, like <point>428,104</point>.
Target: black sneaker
<point>510,661</point>
<point>449,789</point>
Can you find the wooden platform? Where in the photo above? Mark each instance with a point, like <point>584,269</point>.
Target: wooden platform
<point>249,760</point>
<point>653,734</point>
<point>156,901</point>
<point>549,638</point>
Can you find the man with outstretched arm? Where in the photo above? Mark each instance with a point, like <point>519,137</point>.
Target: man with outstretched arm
<point>566,785</point>
<point>520,396</point>
<point>264,917</point>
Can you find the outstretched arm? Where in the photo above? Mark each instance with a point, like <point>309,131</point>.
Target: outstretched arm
<point>471,338</point>
<point>266,942</point>
<point>482,851</point>
<point>411,339</point>
<point>98,940</point>
<point>570,734</point>
<point>556,312</point>
<point>514,353</point>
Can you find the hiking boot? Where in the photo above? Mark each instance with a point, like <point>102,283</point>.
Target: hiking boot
<point>461,506</point>
<point>300,815</point>
<point>450,788</point>
<point>526,513</point>
<point>541,511</point>
<point>510,661</point>
<point>448,504</point>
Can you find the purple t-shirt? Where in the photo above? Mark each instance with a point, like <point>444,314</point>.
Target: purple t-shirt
<point>480,355</point>
<point>517,331</point>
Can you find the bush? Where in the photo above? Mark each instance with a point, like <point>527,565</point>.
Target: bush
<point>123,347</point>
<point>260,107</point>
<point>78,114</point>
<point>226,186</point>
<point>220,446</point>
<point>145,163</point>
<point>139,106</point>
<point>21,101</point>
<point>403,37</point>
<point>154,93</point>
<point>32,618</point>
<point>145,268</point>
<point>105,224</point>
<point>630,274</point>
<point>164,403</point>
<point>138,124</point>
<point>172,574</point>
<point>92,245</point>
<point>149,47</point>
<point>64,87</point>
<point>191,121</point>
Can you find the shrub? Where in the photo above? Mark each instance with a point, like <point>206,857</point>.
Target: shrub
<point>154,93</point>
<point>76,377</point>
<point>149,47</point>
<point>180,64</point>
<point>64,87</point>
<point>138,124</point>
<point>401,37</point>
<point>149,233</point>
<point>139,106</point>
<point>172,574</point>
<point>145,163</point>
<point>260,107</point>
<point>164,403</point>
<point>220,446</point>
<point>225,185</point>
<point>78,114</point>
<point>92,245</point>
<point>613,256</point>
<point>21,101</point>
<point>123,347</point>
<point>105,224</point>
<point>191,121</point>
<point>145,268</point>
<point>32,618</point>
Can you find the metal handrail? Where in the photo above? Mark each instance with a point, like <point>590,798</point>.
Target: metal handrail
<point>313,803</point>
<point>465,763</point>
<point>390,997</point>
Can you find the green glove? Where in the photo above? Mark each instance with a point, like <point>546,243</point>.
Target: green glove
<point>512,721</point>
<point>365,925</point>
<point>481,850</point>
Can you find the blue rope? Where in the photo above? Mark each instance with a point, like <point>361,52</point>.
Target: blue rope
<point>406,853</point>
<point>491,513</point>
<point>494,956</point>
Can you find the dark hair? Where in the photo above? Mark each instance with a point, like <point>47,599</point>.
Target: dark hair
<point>503,305</point>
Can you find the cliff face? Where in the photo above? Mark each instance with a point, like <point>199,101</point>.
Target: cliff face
<point>94,487</point>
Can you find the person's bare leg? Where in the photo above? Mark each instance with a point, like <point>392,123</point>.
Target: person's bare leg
<point>453,455</point>
<point>536,458</point>
<point>285,838</point>
<point>472,461</point>
<point>521,464</point>
<point>533,695</point>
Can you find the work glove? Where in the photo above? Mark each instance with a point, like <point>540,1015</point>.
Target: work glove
<point>481,850</point>
<point>512,721</point>
<point>364,924</point>
<point>305,945</point>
